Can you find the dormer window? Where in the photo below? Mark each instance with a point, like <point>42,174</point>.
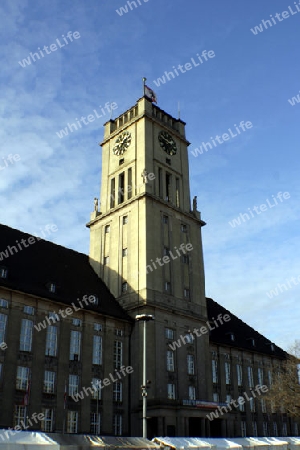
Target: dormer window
<point>3,303</point>
<point>3,272</point>
<point>52,288</point>
<point>28,310</point>
<point>76,322</point>
<point>232,337</point>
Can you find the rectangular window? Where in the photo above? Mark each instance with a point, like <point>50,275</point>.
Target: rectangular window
<point>117,424</point>
<point>243,428</point>
<point>275,429</point>
<point>185,259</point>
<point>47,422</point>
<point>119,332</point>
<point>252,404</point>
<point>168,286</point>
<point>190,365</point>
<point>250,377</point>
<point>121,188</point>
<point>165,220</point>
<point>254,428</point>
<point>51,341</point>
<point>97,327</point>
<point>227,373</point>
<point>49,382</point>
<point>216,397</point>
<point>73,384</point>
<point>125,220</point>
<point>97,349</point>
<point>76,322</point>
<point>118,392</point>
<point>124,287</point>
<point>260,376</point>
<point>186,293</point>
<point>22,379</point>
<point>106,260</point>
<point>177,193</point>
<point>241,402</point>
<point>160,183</point>
<point>214,364</point>
<point>95,427</point>
<point>124,252</point>
<point>28,310</point>
<point>168,187</point>
<point>3,321</point>
<point>169,333</point>
<point>192,393</point>
<point>270,378</point>
<point>107,229</point>
<point>118,354</point>
<point>228,399</point>
<point>171,391</point>
<point>19,415</point>
<point>265,429</point>
<point>129,184</point>
<point>96,389</point>
<point>72,422</point>
<point>183,228</point>
<point>3,272</point>
<point>170,361</point>
<point>112,192</point>
<point>26,335</point>
<point>3,303</point>
<point>239,371</point>
<point>75,345</point>
<point>263,405</point>
<point>284,429</point>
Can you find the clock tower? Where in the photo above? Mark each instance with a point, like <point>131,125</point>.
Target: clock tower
<point>145,243</point>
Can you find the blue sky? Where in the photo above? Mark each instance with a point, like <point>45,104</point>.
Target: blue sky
<point>250,78</point>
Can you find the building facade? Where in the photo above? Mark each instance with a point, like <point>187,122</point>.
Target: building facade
<point>145,258</point>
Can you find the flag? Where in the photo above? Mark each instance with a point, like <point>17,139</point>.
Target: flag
<point>65,395</point>
<point>150,94</point>
<point>27,394</point>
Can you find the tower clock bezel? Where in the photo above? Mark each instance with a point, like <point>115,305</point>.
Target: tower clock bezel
<point>167,143</point>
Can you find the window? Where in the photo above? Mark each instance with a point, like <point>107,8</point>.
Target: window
<point>124,287</point>
<point>214,363</point>
<point>228,399</point>
<point>252,404</point>
<point>165,219</point>
<point>272,348</point>
<point>96,389</point>
<point>28,310</point>
<point>227,373</point>
<point>170,361</point>
<point>26,335</point>
<point>232,337</point>
<point>168,161</point>
<point>0,370</point>
<point>19,415</point>
<point>49,382</point>
<point>270,378</point>
<point>239,371</point>
<point>241,402</point>
<point>22,380</point>
<point>73,384</point>
<point>119,332</point>
<point>265,429</point>
<point>97,349</point>
<point>252,342</point>
<point>112,192</point>
<point>169,333</point>
<point>107,229</point>
<point>284,429</point>
<point>275,429</point>
<point>75,344</point>
<point>118,354</point>
<point>160,183</point>
<point>117,424</point>
<point>168,187</point>
<point>183,228</point>
<point>250,377</point>
<point>97,327</point>
<point>3,321</point>
<point>216,397</point>
<point>51,341</point>
<point>47,422</point>
<point>117,392</point>
<point>254,428</point>
<point>76,322</point>
<point>72,422</point>
<point>177,193</point>
<point>95,299</point>
<point>192,393</point>
<point>3,303</point>
<point>95,423</point>
<point>189,338</point>
<point>129,184</point>
<point>106,260</point>
<point>167,286</point>
<point>166,251</point>
<point>186,293</point>
<point>121,161</point>
<point>171,391</point>
<point>52,288</point>
<point>263,405</point>
<point>260,376</point>
<point>125,220</point>
<point>243,428</point>
<point>185,259</point>
<point>124,252</point>
<point>190,365</point>
<point>3,272</point>
<point>121,188</point>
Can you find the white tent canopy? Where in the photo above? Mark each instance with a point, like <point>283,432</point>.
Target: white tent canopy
<point>184,443</point>
<point>293,442</point>
<point>26,440</point>
<point>222,443</point>
<point>274,443</point>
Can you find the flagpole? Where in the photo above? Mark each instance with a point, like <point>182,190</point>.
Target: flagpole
<point>144,84</point>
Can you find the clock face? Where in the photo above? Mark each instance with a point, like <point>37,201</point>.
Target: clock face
<point>167,143</point>
<point>122,143</point>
